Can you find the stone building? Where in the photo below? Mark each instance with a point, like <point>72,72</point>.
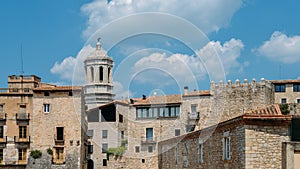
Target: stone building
<point>252,140</point>
<point>43,117</point>
<point>287,91</point>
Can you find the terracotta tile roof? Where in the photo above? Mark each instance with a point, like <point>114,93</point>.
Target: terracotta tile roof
<point>285,81</point>
<point>198,93</point>
<point>268,110</point>
<point>57,88</point>
<point>168,99</point>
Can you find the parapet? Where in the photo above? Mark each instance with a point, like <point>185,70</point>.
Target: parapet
<point>238,83</point>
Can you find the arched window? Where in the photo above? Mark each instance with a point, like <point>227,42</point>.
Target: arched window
<point>92,74</point>
<point>108,75</point>
<point>101,73</point>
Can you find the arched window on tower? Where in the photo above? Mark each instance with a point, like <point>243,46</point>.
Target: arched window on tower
<point>108,75</point>
<point>92,74</point>
<point>101,73</point>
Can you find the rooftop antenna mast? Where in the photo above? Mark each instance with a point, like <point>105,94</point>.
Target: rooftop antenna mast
<point>22,64</point>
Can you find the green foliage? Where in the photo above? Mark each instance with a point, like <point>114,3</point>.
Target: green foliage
<point>117,152</point>
<point>50,151</point>
<point>123,143</point>
<point>284,108</point>
<point>36,154</point>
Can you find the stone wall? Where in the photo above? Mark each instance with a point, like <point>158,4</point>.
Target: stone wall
<point>264,145</point>
<point>254,143</point>
<point>65,111</point>
<point>234,99</point>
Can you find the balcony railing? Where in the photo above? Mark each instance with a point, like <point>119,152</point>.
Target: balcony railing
<point>22,116</point>
<point>18,139</point>
<point>3,116</point>
<point>59,141</point>
<point>148,140</point>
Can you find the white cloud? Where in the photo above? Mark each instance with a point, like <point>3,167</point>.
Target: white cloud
<point>208,15</point>
<point>187,70</point>
<point>214,55</point>
<point>281,48</point>
<point>72,68</point>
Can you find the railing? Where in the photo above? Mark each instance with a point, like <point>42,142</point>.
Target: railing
<point>59,141</point>
<point>18,139</point>
<point>22,116</point>
<point>194,116</point>
<point>148,140</point>
<point>3,116</point>
<point>3,140</point>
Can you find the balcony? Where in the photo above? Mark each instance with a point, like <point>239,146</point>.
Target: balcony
<point>22,116</point>
<point>59,140</point>
<point>149,140</point>
<point>3,116</point>
<point>18,139</point>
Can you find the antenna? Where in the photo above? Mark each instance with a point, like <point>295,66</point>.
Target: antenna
<point>22,65</point>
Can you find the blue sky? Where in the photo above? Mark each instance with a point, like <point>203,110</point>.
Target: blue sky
<point>241,39</point>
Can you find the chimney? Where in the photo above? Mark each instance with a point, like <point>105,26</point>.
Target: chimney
<point>144,97</point>
<point>186,90</point>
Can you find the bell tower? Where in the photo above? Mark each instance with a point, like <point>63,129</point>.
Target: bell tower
<point>98,86</point>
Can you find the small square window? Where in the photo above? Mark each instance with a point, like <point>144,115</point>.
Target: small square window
<point>150,149</point>
<point>104,147</point>
<point>46,108</point>
<point>70,93</point>
<point>298,100</point>
<point>177,132</point>
<point>104,133</point>
<point>283,100</point>
<point>104,162</point>
<point>137,149</point>
<point>46,94</point>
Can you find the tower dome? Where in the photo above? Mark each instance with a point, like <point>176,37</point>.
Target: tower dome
<point>98,86</point>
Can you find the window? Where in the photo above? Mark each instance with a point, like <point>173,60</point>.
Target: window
<point>1,155</point>
<point>137,149</point>
<point>92,74</point>
<point>104,162</point>
<point>101,73</point>
<point>46,94</point>
<point>122,135</point>
<point>177,132</point>
<point>298,100</point>
<point>104,133</point>
<point>283,100</point>
<point>143,160</point>
<point>108,74</point>
<point>154,112</point>
<point>279,87</point>
<point>296,87</point>
<point>59,133</point>
<point>194,108</point>
<point>200,151</point>
<point>120,118</point>
<point>226,146</point>
<point>23,109</point>
<point>22,154</point>
<point>149,133</point>
<point>1,131</point>
<point>46,108</point>
<point>104,147</point>
<point>150,149</point>
<point>176,154</point>
<point>22,131</point>
<point>70,93</point>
